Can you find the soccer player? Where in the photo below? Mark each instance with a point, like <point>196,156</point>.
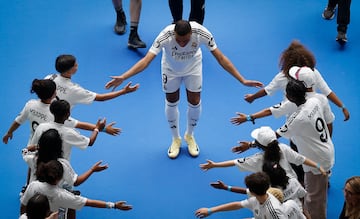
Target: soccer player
<point>182,63</point>
<point>309,128</point>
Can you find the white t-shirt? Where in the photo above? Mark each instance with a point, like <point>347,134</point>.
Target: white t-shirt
<point>69,177</point>
<point>270,209</point>
<point>182,61</point>
<point>70,137</point>
<point>254,162</point>
<point>294,191</point>
<point>292,210</point>
<point>58,197</point>
<point>37,112</point>
<point>70,91</point>
<point>280,81</point>
<point>307,127</point>
<point>287,107</point>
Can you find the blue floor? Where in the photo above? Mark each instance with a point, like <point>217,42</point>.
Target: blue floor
<point>251,33</point>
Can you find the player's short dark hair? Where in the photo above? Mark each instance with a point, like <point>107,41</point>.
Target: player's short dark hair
<point>60,108</point>
<point>64,63</point>
<point>296,91</point>
<point>37,207</point>
<point>182,27</point>
<point>258,183</point>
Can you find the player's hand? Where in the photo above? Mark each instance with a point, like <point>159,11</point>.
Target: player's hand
<point>240,118</point>
<point>243,146</point>
<point>128,88</point>
<point>7,137</point>
<point>97,167</point>
<point>116,81</point>
<point>323,172</point>
<point>249,98</point>
<point>202,213</point>
<point>111,130</point>
<point>208,165</point>
<point>121,205</point>
<point>100,124</point>
<point>219,185</point>
<point>251,83</point>
<point>346,114</point>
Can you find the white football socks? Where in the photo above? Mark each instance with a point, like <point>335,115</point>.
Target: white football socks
<point>172,115</point>
<point>193,115</point>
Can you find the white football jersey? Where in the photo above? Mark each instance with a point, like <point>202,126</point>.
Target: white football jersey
<point>58,197</point>
<point>307,127</point>
<point>254,162</point>
<point>294,191</point>
<point>182,61</point>
<point>70,91</point>
<point>37,112</point>
<point>270,209</point>
<point>280,81</point>
<point>292,210</point>
<point>69,177</point>
<point>69,136</point>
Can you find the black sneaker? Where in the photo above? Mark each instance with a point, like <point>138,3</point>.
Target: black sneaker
<point>341,38</point>
<point>328,13</point>
<point>135,41</point>
<point>120,25</point>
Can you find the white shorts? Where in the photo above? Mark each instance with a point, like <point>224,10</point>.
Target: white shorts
<point>171,83</point>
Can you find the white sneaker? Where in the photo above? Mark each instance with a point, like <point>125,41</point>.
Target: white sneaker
<point>193,148</point>
<point>174,148</point>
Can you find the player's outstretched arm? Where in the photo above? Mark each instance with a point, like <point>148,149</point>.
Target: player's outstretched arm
<point>97,167</point>
<point>243,146</point>
<point>109,129</point>
<point>241,117</point>
<point>111,95</point>
<point>135,69</point>
<point>211,164</point>
<point>251,97</point>
<point>229,67</point>
<point>121,205</point>
<point>221,185</point>
<point>9,133</point>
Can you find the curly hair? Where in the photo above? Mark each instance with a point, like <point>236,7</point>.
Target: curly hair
<point>296,54</point>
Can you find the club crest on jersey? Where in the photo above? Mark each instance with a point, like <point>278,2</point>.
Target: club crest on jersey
<point>194,45</point>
